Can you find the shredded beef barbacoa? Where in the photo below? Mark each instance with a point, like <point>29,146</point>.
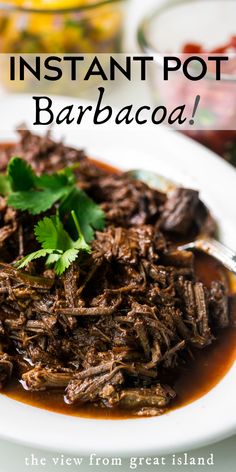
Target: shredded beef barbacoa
<point>118,320</point>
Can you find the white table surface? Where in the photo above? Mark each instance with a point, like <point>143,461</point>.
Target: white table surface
<point>12,457</point>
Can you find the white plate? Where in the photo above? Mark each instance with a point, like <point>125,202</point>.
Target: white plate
<point>212,417</point>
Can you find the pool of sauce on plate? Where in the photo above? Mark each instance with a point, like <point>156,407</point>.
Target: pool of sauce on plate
<point>203,373</point>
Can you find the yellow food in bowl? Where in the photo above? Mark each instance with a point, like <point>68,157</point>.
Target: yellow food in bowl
<point>78,29</point>
<point>50,4</point>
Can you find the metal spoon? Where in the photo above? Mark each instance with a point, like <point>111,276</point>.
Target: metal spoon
<point>208,245</point>
<point>215,249</point>
<point>152,179</point>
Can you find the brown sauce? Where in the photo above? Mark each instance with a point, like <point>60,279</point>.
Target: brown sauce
<point>105,166</point>
<point>193,381</point>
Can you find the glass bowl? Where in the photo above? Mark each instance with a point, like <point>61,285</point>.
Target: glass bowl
<point>209,24</point>
<point>61,26</point>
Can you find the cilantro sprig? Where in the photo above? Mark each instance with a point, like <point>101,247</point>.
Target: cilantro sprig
<point>63,236</point>
<point>57,246</point>
<point>36,194</point>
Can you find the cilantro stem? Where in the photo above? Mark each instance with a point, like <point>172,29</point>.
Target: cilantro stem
<point>75,219</point>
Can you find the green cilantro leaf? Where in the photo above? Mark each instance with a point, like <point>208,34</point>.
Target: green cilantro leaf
<point>36,202</point>
<point>56,244</point>
<point>50,234</point>
<point>36,194</point>
<point>63,178</point>
<point>89,215</point>
<point>53,258</point>
<point>31,257</point>
<point>21,175</point>
<point>65,260</point>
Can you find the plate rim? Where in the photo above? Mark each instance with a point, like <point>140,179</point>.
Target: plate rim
<point>130,445</point>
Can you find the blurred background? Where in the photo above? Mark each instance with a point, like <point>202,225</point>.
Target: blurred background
<point>129,26</point>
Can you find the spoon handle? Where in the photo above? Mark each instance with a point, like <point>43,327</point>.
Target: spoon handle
<point>215,249</point>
